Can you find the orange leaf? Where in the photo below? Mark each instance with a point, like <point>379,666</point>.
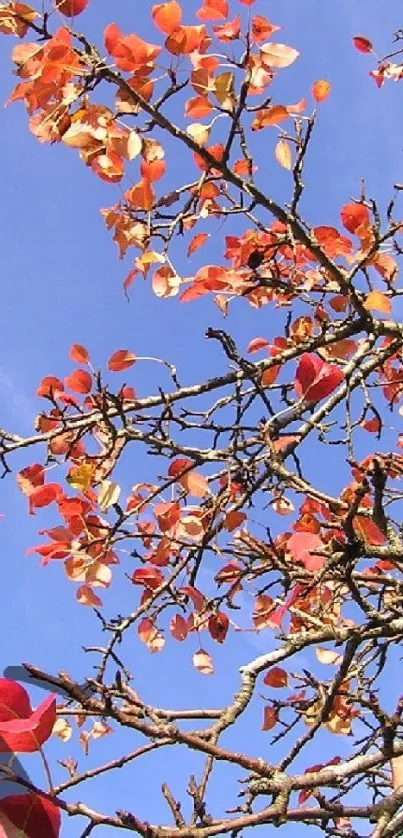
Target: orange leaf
<point>122,359</point>
<point>167,16</point>
<point>376,301</point>
<point>197,107</point>
<point>79,353</point>
<point>79,381</point>
<point>270,116</point>
<point>195,483</point>
<point>354,216</point>
<point>320,90</point>
<point>50,386</point>
<point>141,195</point>
<point>213,10</point>
<point>150,635</point>
<point>86,596</point>
<point>152,171</point>
<point>233,520</point>
<point>197,242</point>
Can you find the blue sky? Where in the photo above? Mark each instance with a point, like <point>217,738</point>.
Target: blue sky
<point>61,283</point>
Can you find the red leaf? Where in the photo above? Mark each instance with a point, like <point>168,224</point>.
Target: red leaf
<point>122,359</point>
<point>167,515</point>
<point>218,625</point>
<point>14,700</point>
<point>22,729</point>
<point>256,345</point>
<point>80,381</point>
<point>367,529</point>
<point>270,718</point>
<point>362,44</point>
<point>44,495</point>
<point>33,815</point>
<point>177,467</point>
<point>71,8</point>
<point>316,379</point>
<point>276,677</point>
<point>31,477</point>
<point>302,546</point>
<point>79,353</point>
<point>195,595</point>
<point>179,627</point>
<point>151,577</point>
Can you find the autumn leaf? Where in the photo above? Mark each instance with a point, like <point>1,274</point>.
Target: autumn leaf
<point>320,90</point>
<point>167,16</point>
<point>376,301</point>
<point>316,379</point>
<point>197,242</point>
<point>195,483</point>
<point>256,345</point>
<point>29,816</point>
<point>23,730</point>
<point>79,381</point>
<point>283,154</point>
<point>203,662</point>
<point>278,55</point>
<point>79,353</point>
<point>121,360</point>
<point>270,717</point>
<point>355,217</point>
<point>276,677</point>
<point>362,44</point>
<point>302,546</point>
<point>108,495</point>
<point>178,627</point>
<point>218,626</point>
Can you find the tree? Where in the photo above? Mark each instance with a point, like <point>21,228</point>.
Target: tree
<point>237,532</point>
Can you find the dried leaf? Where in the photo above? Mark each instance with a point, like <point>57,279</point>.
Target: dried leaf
<point>283,155</point>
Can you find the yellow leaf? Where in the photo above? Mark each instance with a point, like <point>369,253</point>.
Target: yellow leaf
<point>224,90</point>
<point>283,154</point>
<point>376,301</point>
<point>81,477</point>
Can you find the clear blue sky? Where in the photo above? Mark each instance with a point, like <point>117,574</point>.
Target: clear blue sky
<point>61,283</point>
